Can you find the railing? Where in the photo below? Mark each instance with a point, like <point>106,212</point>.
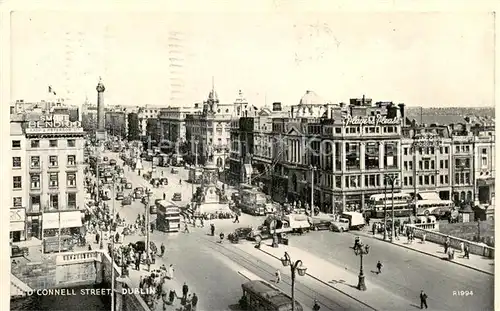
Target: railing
<point>434,226</point>
<point>76,257</point>
<point>439,238</point>
<point>18,288</point>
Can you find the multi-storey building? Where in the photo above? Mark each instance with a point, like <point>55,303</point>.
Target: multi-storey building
<point>208,132</point>
<point>19,189</point>
<point>462,162</point>
<point>54,174</point>
<point>144,114</point>
<point>427,161</point>
<point>484,163</point>
<point>116,122</point>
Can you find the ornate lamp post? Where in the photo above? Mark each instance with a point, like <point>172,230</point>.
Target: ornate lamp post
<point>361,250</point>
<point>296,266</point>
<point>391,180</point>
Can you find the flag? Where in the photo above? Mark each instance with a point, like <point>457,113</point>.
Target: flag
<point>51,90</point>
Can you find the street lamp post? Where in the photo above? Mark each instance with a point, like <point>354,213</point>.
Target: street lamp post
<point>296,266</point>
<point>391,179</point>
<point>361,250</point>
<point>313,168</point>
<point>385,210</point>
<point>146,226</point>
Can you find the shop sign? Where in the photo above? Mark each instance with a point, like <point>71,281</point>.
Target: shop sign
<point>18,214</point>
<point>371,120</point>
<point>71,219</point>
<point>45,122</point>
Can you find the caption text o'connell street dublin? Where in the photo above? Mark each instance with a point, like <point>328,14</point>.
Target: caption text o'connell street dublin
<point>333,167</point>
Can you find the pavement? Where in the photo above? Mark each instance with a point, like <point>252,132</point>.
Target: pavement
<point>475,262</point>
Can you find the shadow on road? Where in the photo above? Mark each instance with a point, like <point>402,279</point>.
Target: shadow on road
<point>414,305</point>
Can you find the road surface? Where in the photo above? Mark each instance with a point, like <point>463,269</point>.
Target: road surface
<point>211,269</point>
<point>405,272</point>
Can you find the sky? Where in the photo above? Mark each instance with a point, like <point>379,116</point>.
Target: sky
<point>420,59</point>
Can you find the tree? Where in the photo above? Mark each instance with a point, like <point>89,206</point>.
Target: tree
<point>133,127</point>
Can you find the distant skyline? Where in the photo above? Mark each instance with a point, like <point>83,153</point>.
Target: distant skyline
<point>420,59</point>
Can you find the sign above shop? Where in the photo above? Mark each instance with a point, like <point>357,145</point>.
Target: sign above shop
<point>371,120</point>
<point>17,214</point>
<point>53,124</point>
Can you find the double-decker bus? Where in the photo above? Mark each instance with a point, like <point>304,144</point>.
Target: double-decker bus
<point>259,295</point>
<point>168,217</point>
<point>438,208</point>
<point>402,204</point>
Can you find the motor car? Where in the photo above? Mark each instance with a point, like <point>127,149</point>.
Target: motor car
<point>112,162</point>
<point>105,159</point>
<point>138,192</point>
<point>174,171</point>
<point>177,197</point>
<point>124,180</point>
<point>119,196</point>
<point>126,201</point>
<point>16,251</point>
<point>241,233</point>
<point>164,181</point>
<point>153,209</point>
<point>128,185</point>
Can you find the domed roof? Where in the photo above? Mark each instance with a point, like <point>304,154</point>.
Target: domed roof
<point>311,98</point>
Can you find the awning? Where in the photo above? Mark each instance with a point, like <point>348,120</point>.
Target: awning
<point>17,226</point>
<point>50,221</point>
<point>71,219</point>
<point>429,196</point>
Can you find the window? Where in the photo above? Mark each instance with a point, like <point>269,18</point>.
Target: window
<point>35,181</point>
<point>17,201</point>
<point>16,144</point>
<point>405,165</point>
<point>467,178</point>
<point>467,163</point>
<point>410,164</point>
<point>72,200</point>
<point>426,180</point>
<point>53,180</point>
<point>432,164</point>
<point>446,150</point>
<point>53,143</point>
<point>441,179</point>
<point>35,162</point>
<point>419,165</point>
<point>53,161</point>
<point>71,142</point>
<point>420,180</point>
<point>71,160</point>
<point>457,162</point>
<point>35,144</point>
<point>484,161</point>
<point>16,182</point>
<point>405,180</point>
<point>484,151</point>
<point>405,151</point>
<point>457,149</point>
<point>457,178</point>
<point>441,163</point>
<point>338,182</point>
<point>16,162</point>
<point>446,180</point>
<point>71,179</point>
<point>426,164</point>
<point>432,180</point>
<point>54,201</point>
<point>445,163</point>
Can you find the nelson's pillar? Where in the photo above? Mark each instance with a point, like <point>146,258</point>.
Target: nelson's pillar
<point>101,130</point>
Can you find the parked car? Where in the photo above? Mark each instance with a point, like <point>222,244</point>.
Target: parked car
<point>105,159</point>
<point>164,181</point>
<point>119,196</point>
<point>174,171</point>
<point>16,251</point>
<point>138,192</point>
<point>124,180</point>
<point>128,185</point>
<point>153,209</point>
<point>177,197</point>
<point>126,201</point>
<point>112,162</point>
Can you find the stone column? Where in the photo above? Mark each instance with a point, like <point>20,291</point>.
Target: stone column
<point>381,155</point>
<point>362,152</point>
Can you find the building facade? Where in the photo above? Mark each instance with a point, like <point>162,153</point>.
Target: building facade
<point>144,114</point>
<point>484,160</point>
<point>19,189</point>
<point>54,175</point>
<point>116,122</point>
<point>208,132</point>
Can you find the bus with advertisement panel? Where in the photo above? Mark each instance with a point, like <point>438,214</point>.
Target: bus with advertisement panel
<point>168,216</point>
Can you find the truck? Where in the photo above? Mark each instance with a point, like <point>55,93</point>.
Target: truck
<point>356,220</point>
<point>329,222</point>
<point>292,223</point>
<point>252,202</point>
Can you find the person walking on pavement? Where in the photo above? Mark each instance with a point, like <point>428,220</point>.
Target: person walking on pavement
<point>446,245</point>
<point>423,299</point>
<point>186,228</point>
<point>221,235</point>
<point>278,276</point>
<point>194,302</point>
<point>180,181</point>
<point>162,250</point>
<point>466,251</point>
<point>379,267</point>
<point>236,219</point>
<point>316,306</point>
<point>212,229</point>
<point>201,222</point>
<point>185,290</point>
<point>97,238</point>
<point>462,247</point>
<point>164,195</point>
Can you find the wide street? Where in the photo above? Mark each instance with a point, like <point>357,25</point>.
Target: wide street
<point>211,269</point>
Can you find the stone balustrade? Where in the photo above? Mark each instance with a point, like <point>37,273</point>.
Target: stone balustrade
<point>434,226</point>
<point>77,257</point>
<point>17,287</point>
<point>439,238</point>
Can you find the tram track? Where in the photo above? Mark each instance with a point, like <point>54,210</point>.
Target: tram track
<point>249,262</point>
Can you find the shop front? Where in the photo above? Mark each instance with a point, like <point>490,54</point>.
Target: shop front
<point>17,224</point>
<point>67,223</point>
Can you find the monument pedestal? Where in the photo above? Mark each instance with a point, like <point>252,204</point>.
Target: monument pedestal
<point>210,202</point>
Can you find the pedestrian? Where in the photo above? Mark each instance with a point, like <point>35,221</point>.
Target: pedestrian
<point>374,228</point>
<point>462,247</point>
<point>194,302</point>
<point>171,296</point>
<point>90,247</point>
<point>236,220</point>
<point>446,246</point>
<point>164,196</point>
<point>221,236</point>
<point>212,229</point>
<point>97,238</point>
<point>186,228</point>
<point>162,250</point>
<point>316,306</point>
<point>170,272</point>
<point>424,236</point>
<point>356,242</point>
<point>180,181</point>
<point>185,290</point>
<point>379,267</point>
<point>137,263</point>
<point>278,276</point>
<point>423,299</point>
<point>201,222</point>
